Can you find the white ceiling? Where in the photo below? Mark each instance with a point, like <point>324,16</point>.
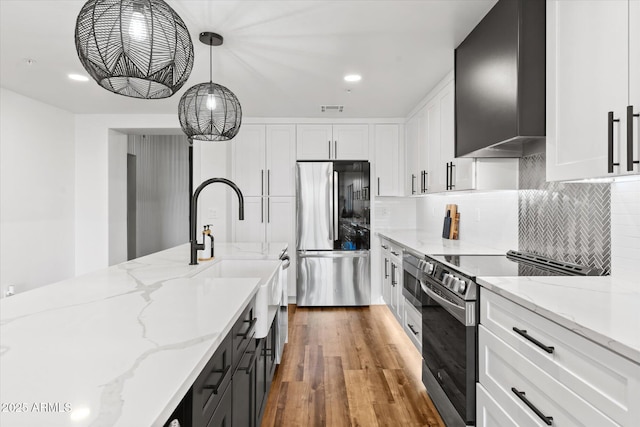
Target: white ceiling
<point>281,58</point>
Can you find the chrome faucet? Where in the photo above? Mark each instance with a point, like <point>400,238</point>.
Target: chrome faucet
<point>195,246</point>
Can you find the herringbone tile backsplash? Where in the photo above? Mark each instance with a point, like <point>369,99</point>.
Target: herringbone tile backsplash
<point>565,221</point>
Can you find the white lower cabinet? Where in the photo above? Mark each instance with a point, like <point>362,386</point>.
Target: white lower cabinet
<point>533,368</point>
<point>391,266</point>
<point>489,413</point>
<point>412,324</point>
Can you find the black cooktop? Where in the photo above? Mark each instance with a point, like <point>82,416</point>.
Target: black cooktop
<point>514,263</point>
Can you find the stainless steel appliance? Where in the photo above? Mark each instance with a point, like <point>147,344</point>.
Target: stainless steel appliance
<point>333,233</point>
<point>411,288</point>
<point>450,317</point>
<point>282,331</point>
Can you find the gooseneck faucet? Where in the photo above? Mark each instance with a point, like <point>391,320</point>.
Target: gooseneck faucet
<point>195,246</point>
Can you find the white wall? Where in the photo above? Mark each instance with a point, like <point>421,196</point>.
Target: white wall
<point>92,139</point>
<point>117,197</point>
<point>625,229</point>
<point>487,218</point>
<point>36,192</point>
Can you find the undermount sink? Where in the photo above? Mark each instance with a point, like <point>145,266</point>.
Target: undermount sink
<point>269,293</point>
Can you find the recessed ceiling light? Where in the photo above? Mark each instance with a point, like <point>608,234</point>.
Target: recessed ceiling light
<point>352,78</point>
<point>79,77</point>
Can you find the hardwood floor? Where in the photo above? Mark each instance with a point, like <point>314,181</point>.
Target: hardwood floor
<point>348,366</point>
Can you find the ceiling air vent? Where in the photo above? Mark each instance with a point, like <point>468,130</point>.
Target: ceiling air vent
<point>331,108</point>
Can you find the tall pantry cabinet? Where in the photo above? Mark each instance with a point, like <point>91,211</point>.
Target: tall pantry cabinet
<point>264,158</point>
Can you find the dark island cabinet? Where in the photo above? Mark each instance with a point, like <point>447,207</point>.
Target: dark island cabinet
<point>232,388</point>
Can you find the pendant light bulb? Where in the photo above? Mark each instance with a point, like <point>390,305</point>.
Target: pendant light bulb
<point>211,101</point>
<point>138,26</point>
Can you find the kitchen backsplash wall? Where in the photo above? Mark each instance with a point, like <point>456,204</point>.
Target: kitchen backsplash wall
<point>566,221</point>
<point>394,212</point>
<point>486,218</point>
<point>625,230</point>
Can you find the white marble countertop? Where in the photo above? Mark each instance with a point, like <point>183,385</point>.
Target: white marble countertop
<point>120,346</point>
<point>603,309</point>
<point>432,244</point>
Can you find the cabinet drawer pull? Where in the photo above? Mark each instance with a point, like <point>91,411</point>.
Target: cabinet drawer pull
<point>611,121</point>
<point>378,186</point>
<point>413,186</point>
<point>252,362</point>
<point>395,253</point>
<point>386,268</point>
<point>412,330</point>
<point>521,395</point>
<point>252,323</point>
<point>630,116</point>
<point>524,334</point>
<point>385,247</point>
<point>329,148</point>
<point>216,386</point>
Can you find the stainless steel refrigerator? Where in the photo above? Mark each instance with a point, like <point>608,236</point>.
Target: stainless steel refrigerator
<point>333,233</point>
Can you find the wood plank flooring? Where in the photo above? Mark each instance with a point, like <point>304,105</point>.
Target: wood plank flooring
<point>348,366</point>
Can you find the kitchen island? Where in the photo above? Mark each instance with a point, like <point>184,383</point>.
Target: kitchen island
<point>120,346</point>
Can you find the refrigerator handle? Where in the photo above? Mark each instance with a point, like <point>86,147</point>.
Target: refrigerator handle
<point>330,203</point>
<point>335,205</point>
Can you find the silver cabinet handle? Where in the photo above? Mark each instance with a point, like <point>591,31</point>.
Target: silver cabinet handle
<point>262,182</point>
<point>269,210</point>
<point>413,188</point>
<point>268,182</point>
<point>329,148</point>
<point>261,210</point>
<point>378,186</point>
<point>335,149</point>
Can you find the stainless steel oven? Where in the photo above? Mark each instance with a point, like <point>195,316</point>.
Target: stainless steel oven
<point>450,317</point>
<point>411,289</point>
<point>449,341</point>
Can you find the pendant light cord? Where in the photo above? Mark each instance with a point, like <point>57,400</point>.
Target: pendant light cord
<point>210,63</point>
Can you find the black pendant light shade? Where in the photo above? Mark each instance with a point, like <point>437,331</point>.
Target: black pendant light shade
<point>209,111</point>
<point>136,48</point>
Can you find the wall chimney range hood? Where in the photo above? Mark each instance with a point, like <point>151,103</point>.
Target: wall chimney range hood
<point>500,81</point>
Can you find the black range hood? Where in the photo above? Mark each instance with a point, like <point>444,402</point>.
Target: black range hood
<point>500,81</point>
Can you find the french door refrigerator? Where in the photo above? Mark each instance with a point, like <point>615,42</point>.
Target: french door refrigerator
<point>333,233</point>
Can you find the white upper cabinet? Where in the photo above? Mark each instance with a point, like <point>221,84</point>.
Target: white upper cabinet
<point>444,172</point>
<point>333,142</point>
<point>315,142</point>
<point>264,160</point>
<point>387,160</point>
<point>249,171</point>
<point>592,76</point>
<point>280,160</point>
<point>634,83</point>
<point>412,153</point>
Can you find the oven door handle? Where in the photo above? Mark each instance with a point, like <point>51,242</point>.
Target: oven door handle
<point>454,309</point>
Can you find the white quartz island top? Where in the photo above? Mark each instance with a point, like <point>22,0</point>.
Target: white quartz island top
<point>120,346</point>
<point>604,309</point>
<point>433,244</point>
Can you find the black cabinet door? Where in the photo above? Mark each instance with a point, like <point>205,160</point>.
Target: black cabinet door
<point>270,349</point>
<point>261,379</point>
<point>222,415</point>
<point>211,383</point>
<point>244,388</point>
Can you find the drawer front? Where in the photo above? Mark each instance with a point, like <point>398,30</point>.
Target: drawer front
<point>489,413</point>
<point>242,333</point>
<point>222,415</point>
<point>210,385</point>
<point>413,324</point>
<point>606,380</point>
<point>514,380</point>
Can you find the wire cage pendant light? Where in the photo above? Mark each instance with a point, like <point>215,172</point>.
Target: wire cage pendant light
<point>135,48</point>
<point>209,111</point>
